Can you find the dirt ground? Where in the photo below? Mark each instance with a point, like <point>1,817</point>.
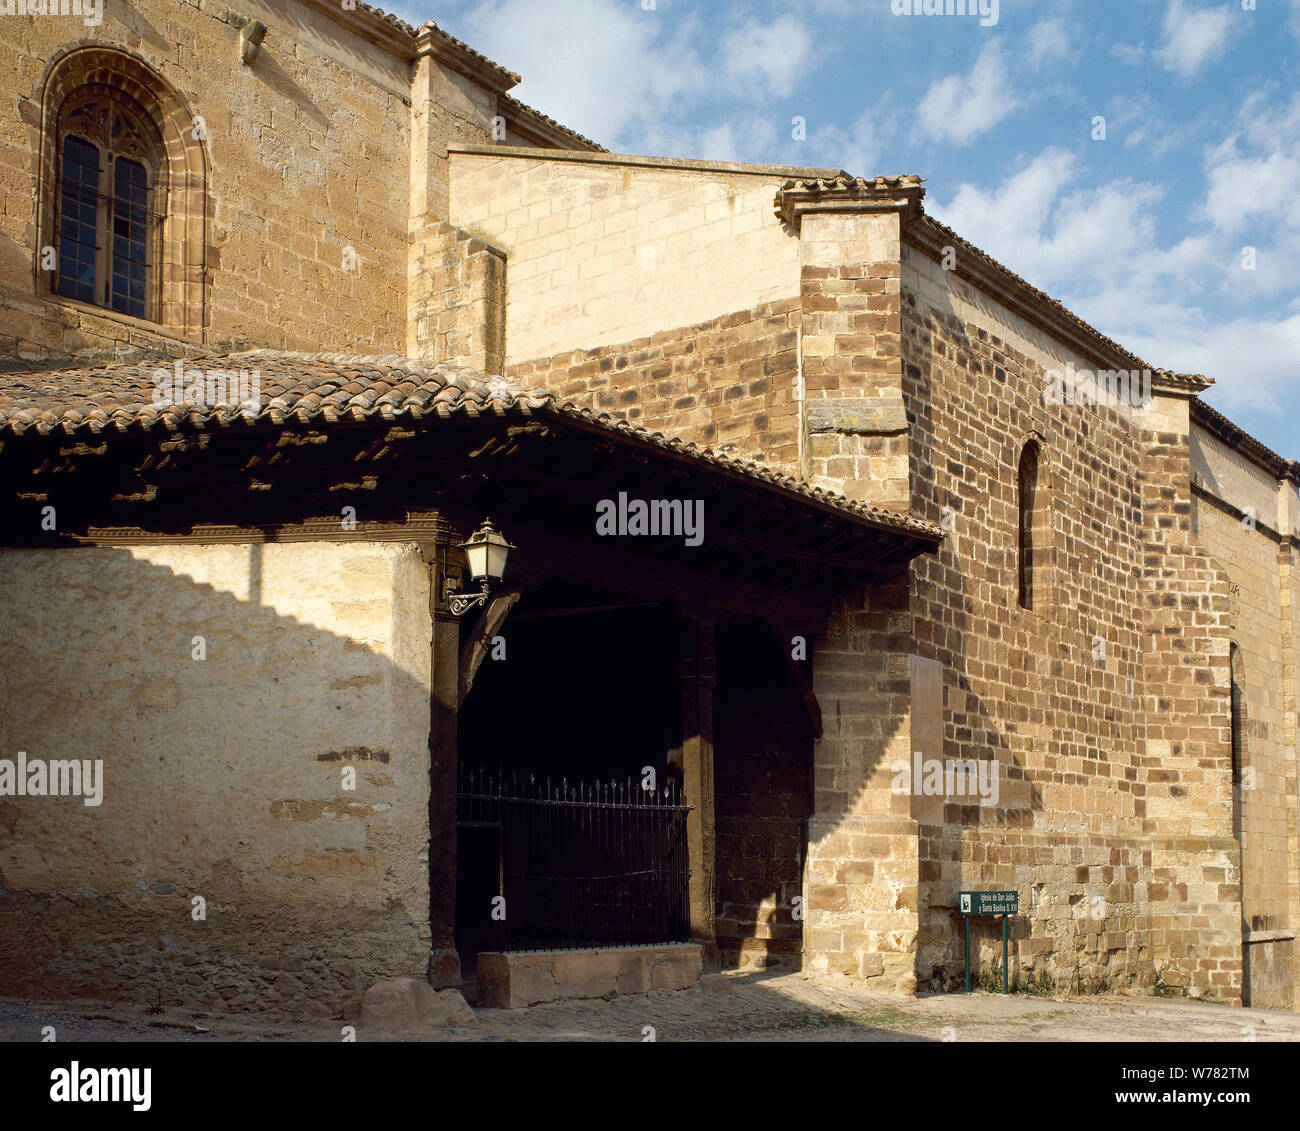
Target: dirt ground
<point>789,1007</point>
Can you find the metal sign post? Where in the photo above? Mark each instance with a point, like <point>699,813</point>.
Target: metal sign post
<point>1001,903</point>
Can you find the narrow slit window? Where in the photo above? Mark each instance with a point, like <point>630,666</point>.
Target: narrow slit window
<point>1238,735</point>
<point>1027,491</point>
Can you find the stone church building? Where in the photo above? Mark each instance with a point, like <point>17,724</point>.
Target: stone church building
<point>847,570</point>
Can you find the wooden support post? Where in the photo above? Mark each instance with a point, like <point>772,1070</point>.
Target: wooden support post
<point>698,679</point>
<point>444,700</point>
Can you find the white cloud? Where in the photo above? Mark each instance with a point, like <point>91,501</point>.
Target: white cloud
<point>1188,307</point>
<point>765,59</point>
<point>604,68</point>
<point>632,78</point>
<point>1253,360</point>
<point>1253,175</point>
<point>1130,54</point>
<point>958,108</point>
<point>856,149</point>
<point>1008,221</point>
<point>739,137</point>
<point>1047,40</point>
<point>1193,37</point>
<point>1244,190</point>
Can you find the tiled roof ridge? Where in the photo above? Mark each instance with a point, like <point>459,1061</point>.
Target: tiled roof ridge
<point>846,181</point>
<point>1193,382</point>
<point>460,47</point>
<point>454,388</point>
<point>559,127</point>
<point>504,77</point>
<point>385,17</point>
<point>462,390</point>
<point>747,467</point>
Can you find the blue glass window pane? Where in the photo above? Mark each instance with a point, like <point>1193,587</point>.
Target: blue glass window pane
<point>130,214</point>
<point>77,208</point>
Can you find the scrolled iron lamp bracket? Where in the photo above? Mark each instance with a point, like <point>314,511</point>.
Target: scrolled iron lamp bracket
<point>487,551</point>
<point>461,603</point>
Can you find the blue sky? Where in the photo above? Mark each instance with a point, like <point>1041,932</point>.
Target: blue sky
<point>1144,232</point>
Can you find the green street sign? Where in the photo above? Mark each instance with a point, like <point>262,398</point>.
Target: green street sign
<point>1002,903</point>
<point>989,902</point>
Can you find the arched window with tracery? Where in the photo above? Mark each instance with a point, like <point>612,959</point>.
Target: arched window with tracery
<point>124,203</point>
<point>109,231</point>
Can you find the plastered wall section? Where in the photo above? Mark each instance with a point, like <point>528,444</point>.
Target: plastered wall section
<point>224,776</point>
<point>600,253</point>
<point>308,152</point>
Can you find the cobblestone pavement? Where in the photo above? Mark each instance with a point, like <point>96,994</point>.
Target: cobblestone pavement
<point>789,1007</point>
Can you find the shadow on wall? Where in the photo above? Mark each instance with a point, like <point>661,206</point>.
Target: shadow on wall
<point>763,778</point>
<point>228,865</point>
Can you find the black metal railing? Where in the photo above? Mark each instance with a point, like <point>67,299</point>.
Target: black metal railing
<point>548,865</point>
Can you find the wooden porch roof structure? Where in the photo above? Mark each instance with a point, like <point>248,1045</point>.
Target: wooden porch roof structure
<point>422,453</point>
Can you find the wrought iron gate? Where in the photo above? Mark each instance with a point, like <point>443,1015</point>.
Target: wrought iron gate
<point>553,865</point>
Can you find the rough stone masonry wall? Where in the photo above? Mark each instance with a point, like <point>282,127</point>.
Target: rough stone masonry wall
<point>463,318</point>
<point>1258,560</point>
<point>1028,688</point>
<point>223,776</point>
<point>727,384</point>
<point>456,283</point>
<point>307,153</point>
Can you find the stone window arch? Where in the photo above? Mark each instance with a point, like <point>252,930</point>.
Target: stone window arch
<point>123,205</point>
<point>1031,526</point>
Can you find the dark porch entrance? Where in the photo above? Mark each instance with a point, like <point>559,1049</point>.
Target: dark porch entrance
<point>572,811</point>
<point>571,824</point>
<point>620,652</point>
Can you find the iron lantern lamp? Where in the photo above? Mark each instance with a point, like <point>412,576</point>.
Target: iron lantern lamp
<point>487,552</point>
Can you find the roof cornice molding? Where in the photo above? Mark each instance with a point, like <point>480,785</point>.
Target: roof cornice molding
<point>527,120</point>
<point>1184,385</point>
<point>371,24</point>
<point>1020,297</point>
<point>604,157</point>
<point>388,31</point>
<point>435,43</point>
<point>1242,441</point>
<point>799,198</point>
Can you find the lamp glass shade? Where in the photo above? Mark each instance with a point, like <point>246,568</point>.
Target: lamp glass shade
<point>487,552</point>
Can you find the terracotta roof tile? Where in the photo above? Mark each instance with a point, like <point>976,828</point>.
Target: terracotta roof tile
<point>528,111</point>
<point>324,388</point>
<point>387,17</point>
